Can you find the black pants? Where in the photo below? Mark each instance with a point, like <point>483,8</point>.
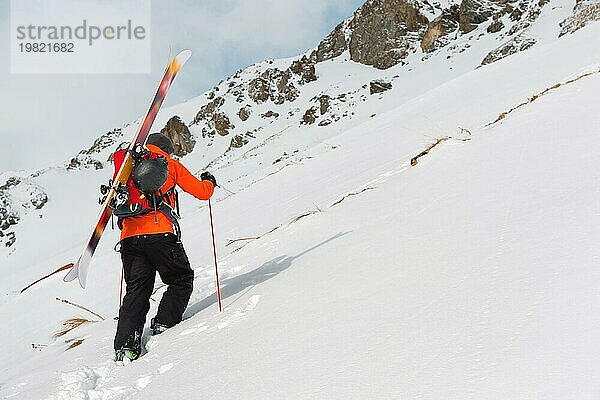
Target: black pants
<point>142,256</point>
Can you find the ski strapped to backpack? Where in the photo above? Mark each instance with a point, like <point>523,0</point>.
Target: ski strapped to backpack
<point>80,269</point>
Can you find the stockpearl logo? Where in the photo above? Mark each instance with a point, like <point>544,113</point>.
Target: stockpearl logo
<point>80,36</point>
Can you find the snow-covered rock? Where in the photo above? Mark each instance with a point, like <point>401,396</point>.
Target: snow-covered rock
<point>18,197</point>
<point>584,12</point>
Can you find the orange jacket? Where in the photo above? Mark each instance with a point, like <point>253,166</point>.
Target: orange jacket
<point>178,175</point>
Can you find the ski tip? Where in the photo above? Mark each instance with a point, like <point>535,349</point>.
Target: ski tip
<point>72,274</point>
<point>183,56</point>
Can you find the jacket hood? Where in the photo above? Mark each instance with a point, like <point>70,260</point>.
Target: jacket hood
<point>157,150</point>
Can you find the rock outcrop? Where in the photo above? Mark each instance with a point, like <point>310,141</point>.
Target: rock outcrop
<point>496,26</point>
<point>333,45</point>
<point>85,159</point>
<point>180,134</point>
<point>270,114</point>
<point>82,161</point>
<point>328,109</point>
<point>305,68</point>
<point>472,13</point>
<point>324,103</point>
<point>379,86</point>
<point>309,116</point>
<point>244,113</point>
<point>215,120</point>
<point>274,85</point>
<point>17,197</point>
<point>238,141</point>
<point>382,33</point>
<point>440,28</point>
<point>221,124</point>
<point>517,44</point>
<point>206,111</point>
<point>399,19</point>
<point>585,11</point>
<point>400,22</point>
<point>524,14</point>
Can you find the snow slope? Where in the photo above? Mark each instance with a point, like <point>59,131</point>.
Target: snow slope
<point>470,275</point>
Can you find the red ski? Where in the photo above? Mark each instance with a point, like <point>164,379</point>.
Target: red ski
<point>81,267</point>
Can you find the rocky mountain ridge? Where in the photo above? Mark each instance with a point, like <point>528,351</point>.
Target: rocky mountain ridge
<point>394,37</point>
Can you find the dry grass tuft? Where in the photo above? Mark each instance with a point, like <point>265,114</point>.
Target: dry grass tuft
<point>542,93</point>
<point>500,117</point>
<point>73,343</point>
<point>80,307</point>
<point>414,161</point>
<point>247,240</point>
<point>232,241</point>
<point>69,325</point>
<point>306,214</point>
<point>299,217</point>
<point>335,203</point>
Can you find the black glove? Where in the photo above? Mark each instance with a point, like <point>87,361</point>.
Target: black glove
<point>207,176</point>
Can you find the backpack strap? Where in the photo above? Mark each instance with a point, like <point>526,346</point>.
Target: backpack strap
<point>136,209</point>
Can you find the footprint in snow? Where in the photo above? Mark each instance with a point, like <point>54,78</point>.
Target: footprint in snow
<point>196,329</point>
<point>142,382</point>
<point>239,314</point>
<point>165,368</point>
<point>88,383</point>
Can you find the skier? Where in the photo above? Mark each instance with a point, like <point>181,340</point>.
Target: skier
<point>150,242</point>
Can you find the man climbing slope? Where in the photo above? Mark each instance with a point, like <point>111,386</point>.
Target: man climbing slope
<point>150,242</point>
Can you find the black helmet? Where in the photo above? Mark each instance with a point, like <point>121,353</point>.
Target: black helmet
<point>150,175</point>
<point>161,141</point>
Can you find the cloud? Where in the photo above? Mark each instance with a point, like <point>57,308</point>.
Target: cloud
<point>47,118</point>
<point>230,34</point>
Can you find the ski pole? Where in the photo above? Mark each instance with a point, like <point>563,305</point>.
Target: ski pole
<point>212,228</point>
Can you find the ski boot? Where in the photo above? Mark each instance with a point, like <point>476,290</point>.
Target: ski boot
<point>157,327</point>
<point>126,355</point>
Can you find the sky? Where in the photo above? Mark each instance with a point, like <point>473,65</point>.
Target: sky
<point>48,118</point>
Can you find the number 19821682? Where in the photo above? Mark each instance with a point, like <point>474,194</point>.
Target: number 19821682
<point>47,47</point>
